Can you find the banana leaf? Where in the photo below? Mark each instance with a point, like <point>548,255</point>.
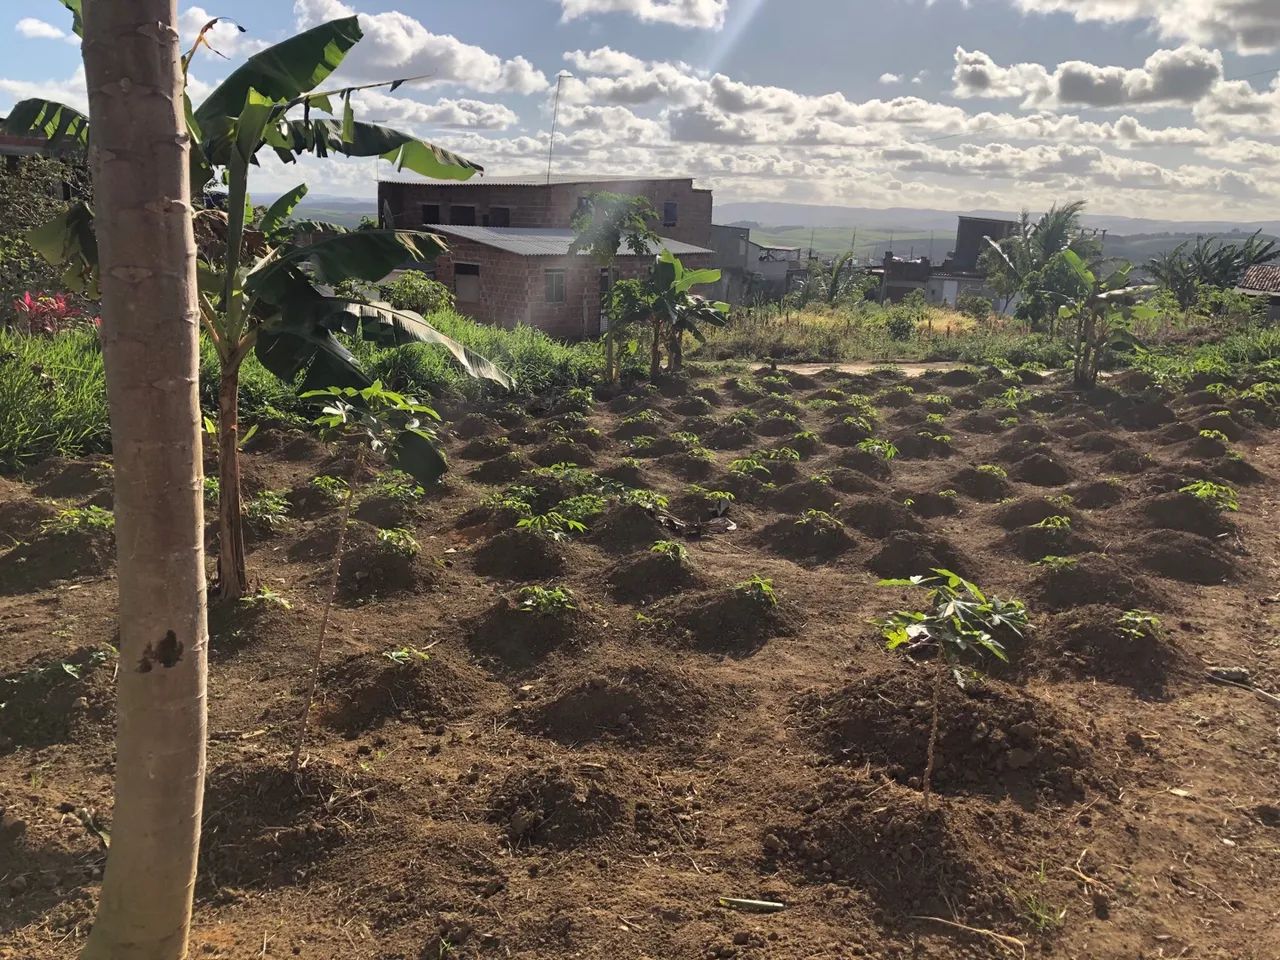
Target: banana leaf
<point>56,123</point>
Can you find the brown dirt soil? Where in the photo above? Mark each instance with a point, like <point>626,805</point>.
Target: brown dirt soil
<point>589,785</point>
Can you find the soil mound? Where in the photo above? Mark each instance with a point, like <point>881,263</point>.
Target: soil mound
<point>52,557</point>
<point>851,481</point>
<point>485,448</point>
<point>1033,543</point>
<point>1025,511</point>
<point>906,553</point>
<point>1093,579</point>
<point>1236,470</point>
<point>627,527</point>
<point>373,568</point>
<point>264,826</point>
<point>1184,557</point>
<point>979,422</point>
<point>651,577</point>
<point>1098,494</point>
<point>817,540</point>
<point>517,638</point>
<point>958,378</point>
<point>501,469</point>
<point>57,701</point>
<point>519,555</point>
<point>1030,433</point>
<point>993,739</point>
<point>725,621</point>
<point>988,486</point>
<point>70,479</point>
<point>1041,470</point>
<point>868,464</point>
<point>563,451</point>
<point>803,495</point>
<point>729,436</point>
<point>1126,460</point>
<point>474,425</point>
<point>21,519</point>
<point>931,504</point>
<point>371,689</point>
<point>1182,511</point>
<point>880,517</point>
<point>640,706</point>
<point>1094,642</point>
<point>1097,442</point>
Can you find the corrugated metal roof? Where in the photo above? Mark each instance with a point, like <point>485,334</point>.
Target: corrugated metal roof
<point>528,180</point>
<point>539,242</point>
<point>1264,278</point>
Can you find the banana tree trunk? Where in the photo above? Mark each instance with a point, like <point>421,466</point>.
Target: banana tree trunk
<point>150,334</point>
<point>233,576</point>
<point>675,352</point>
<point>655,350</point>
<point>608,355</point>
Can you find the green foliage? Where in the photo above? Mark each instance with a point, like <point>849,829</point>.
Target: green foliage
<point>751,466</point>
<point>269,510</point>
<point>334,490</point>
<point>1054,523</point>
<point>1218,495</point>
<point>960,621</point>
<point>993,470</point>
<point>759,590</point>
<point>399,542</point>
<point>820,520</point>
<point>1138,624</point>
<point>1215,435</point>
<point>648,499</point>
<point>551,525</point>
<point>670,550</point>
<point>580,399</point>
<point>976,308</point>
<point>779,455</point>
<point>1055,563</point>
<point>77,520</point>
<point>516,500</point>
<point>883,449</point>
<point>403,656</point>
<point>1010,399</point>
<point>582,508</point>
<point>211,490</point>
<point>414,290</point>
<point>266,597</point>
<point>389,423</point>
<point>396,486</point>
<point>546,601</point>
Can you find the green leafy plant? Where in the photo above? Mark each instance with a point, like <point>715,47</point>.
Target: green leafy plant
<point>670,550</point>
<point>211,489</point>
<point>779,454</point>
<point>1138,624</point>
<point>264,596</point>
<point>399,542</point>
<point>759,590</point>
<point>935,418</point>
<point>744,418</point>
<point>1010,399</point>
<point>334,490</point>
<point>546,601</point>
<point>648,499</point>
<point>1056,563</point>
<point>1062,501</point>
<point>993,470</point>
<point>582,508</point>
<point>883,449</point>
<point>1218,495</point>
<point>77,520</point>
<point>820,521</point>
<point>403,656</point>
<point>269,510</point>
<point>551,525</point>
<point>749,467</point>
<point>959,622</point>
<point>642,418</point>
<point>1215,435</point>
<point>1053,523</point>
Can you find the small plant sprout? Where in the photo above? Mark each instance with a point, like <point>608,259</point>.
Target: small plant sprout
<point>1062,501</point>
<point>759,590</point>
<point>546,601</point>
<point>1036,910</point>
<point>552,525</point>
<point>993,470</point>
<point>779,455</point>
<point>637,444</point>
<point>399,542</point>
<point>333,489</point>
<point>749,467</point>
<point>1054,523</point>
<point>1215,435</point>
<point>1011,399</point>
<point>819,521</point>
<point>862,423</point>
<point>1218,495</point>
<point>878,448</point>
<point>514,501</point>
<point>645,498</point>
<point>805,437</point>
<point>1138,624</point>
<point>269,510</point>
<point>582,508</point>
<point>266,597</point>
<point>643,417</point>
<point>579,399</point>
<point>935,418</point>
<point>1055,562</point>
<point>1009,422</point>
<point>211,489</point>
<point>960,622</point>
<point>398,486</point>
<point>670,550</point>
<point>744,418</point>
<point>403,656</point>
<point>948,494</point>
<point>686,439</point>
<point>77,520</point>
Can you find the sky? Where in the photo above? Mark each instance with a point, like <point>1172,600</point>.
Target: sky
<point>1151,108</point>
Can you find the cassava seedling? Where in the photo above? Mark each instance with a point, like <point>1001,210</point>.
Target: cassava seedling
<point>758,589</point>
<point>878,448</point>
<point>960,623</point>
<point>264,596</point>
<point>403,656</point>
<point>670,550</point>
<point>1217,495</point>
<point>77,519</point>
<point>1055,563</point>
<point>1054,523</point>
<point>269,510</point>
<point>399,542</point>
<point>333,489</point>
<point>552,525</point>
<point>820,521</point>
<point>546,601</point>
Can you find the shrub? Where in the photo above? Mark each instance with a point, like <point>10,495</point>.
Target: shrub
<point>758,589</point>
<point>975,307</point>
<point>77,519</point>
<point>268,510</point>
<point>1219,495</point>
<point>399,542</point>
<point>670,550</point>
<point>546,601</point>
<point>414,290</point>
<point>334,490</point>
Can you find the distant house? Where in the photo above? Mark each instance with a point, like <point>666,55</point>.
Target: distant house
<point>750,269</point>
<point>1264,281</point>
<point>508,260</point>
<point>511,275</point>
<point>956,276</point>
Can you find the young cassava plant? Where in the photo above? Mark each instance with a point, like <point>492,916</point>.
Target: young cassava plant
<point>960,623</point>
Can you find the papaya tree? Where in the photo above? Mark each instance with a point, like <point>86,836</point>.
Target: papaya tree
<point>264,288</point>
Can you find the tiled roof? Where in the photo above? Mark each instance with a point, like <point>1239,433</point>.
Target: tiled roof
<point>528,180</point>
<point>539,242</point>
<point>1264,278</point>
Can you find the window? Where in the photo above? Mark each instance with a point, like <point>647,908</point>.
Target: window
<point>466,282</point>
<point>462,216</point>
<point>431,213</point>
<point>583,203</point>
<point>670,213</point>
<point>499,216</point>
<point>555,286</point>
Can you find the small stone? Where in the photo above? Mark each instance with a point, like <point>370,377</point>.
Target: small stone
<point>18,886</point>
<point>742,938</point>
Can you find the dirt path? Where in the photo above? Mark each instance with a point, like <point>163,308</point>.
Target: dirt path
<point>911,369</point>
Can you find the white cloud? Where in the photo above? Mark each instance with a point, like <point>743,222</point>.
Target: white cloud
<point>395,44</point>
<point>1250,26</point>
<point>888,79</point>
<point>459,114</point>
<point>1185,75</point>
<point>70,91</point>
<point>34,29</point>
<point>224,37</point>
<point>704,14</point>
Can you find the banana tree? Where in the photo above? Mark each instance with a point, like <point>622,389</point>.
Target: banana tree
<point>264,288</point>
<point>678,311</point>
<point>1102,317</point>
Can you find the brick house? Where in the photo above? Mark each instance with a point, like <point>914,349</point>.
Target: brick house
<point>684,212</point>
<point>1263,281</point>
<point>511,275</point>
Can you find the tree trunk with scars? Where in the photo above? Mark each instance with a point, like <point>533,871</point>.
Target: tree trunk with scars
<point>150,345</point>
<point>233,576</point>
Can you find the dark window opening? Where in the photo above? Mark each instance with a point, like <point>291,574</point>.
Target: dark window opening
<point>462,216</point>
<point>431,213</point>
<point>583,203</point>
<point>499,216</point>
<point>466,282</point>
<point>670,213</point>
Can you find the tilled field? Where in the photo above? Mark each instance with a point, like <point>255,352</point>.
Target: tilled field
<point>587,778</point>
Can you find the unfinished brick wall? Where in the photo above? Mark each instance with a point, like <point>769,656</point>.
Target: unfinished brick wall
<point>539,205</point>
<point>513,288</point>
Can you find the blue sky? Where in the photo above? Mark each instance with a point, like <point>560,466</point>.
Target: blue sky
<point>1162,108</point>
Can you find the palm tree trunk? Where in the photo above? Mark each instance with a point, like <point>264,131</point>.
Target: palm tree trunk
<point>150,334</point>
<point>233,577</point>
